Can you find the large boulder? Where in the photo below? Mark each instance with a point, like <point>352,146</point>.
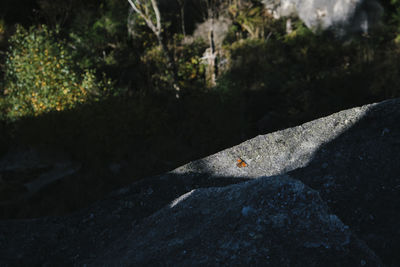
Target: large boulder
<point>275,221</point>
<point>342,16</point>
<point>323,193</point>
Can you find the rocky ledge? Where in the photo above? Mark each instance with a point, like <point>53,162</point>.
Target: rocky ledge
<point>325,193</point>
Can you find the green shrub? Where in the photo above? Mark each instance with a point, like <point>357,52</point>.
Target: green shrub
<point>42,77</point>
<point>190,67</point>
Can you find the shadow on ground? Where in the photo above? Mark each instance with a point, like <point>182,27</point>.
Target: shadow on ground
<point>358,176</point>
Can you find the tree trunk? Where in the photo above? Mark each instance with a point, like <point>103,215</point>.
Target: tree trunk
<point>156,28</point>
<point>171,66</point>
<point>213,60</point>
<point>181,4</point>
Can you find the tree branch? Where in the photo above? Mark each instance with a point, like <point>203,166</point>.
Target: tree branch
<point>146,18</point>
<point>158,16</point>
<point>146,14</point>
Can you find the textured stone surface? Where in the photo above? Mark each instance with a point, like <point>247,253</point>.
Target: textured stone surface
<point>278,152</point>
<point>274,221</point>
<point>336,205</point>
<point>358,175</point>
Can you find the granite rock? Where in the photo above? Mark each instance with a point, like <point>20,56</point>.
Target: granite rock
<point>325,193</point>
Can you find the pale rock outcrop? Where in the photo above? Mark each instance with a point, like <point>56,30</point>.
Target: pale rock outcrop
<point>342,16</point>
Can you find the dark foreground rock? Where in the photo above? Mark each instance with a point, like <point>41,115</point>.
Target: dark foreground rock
<point>326,193</point>
<point>27,172</point>
<point>274,221</point>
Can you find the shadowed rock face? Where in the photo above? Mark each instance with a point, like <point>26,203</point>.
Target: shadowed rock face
<point>25,172</point>
<point>325,193</point>
<point>358,175</point>
<point>272,221</point>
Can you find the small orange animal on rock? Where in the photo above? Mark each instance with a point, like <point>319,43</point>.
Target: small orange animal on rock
<point>241,163</point>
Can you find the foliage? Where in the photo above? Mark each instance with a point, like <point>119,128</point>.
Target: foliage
<point>304,73</point>
<point>153,59</point>
<point>99,38</point>
<point>251,17</point>
<point>395,15</point>
<point>189,64</point>
<point>265,65</point>
<point>393,19</point>
<point>42,77</point>
<point>2,26</point>
<point>98,33</point>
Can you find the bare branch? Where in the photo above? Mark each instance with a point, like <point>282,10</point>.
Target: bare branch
<point>146,18</point>
<point>146,13</point>
<point>137,10</point>
<point>158,16</point>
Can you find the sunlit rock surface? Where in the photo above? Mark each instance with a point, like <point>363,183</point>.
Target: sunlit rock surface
<point>342,16</point>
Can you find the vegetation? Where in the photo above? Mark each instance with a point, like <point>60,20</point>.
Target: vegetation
<point>93,78</point>
<point>41,76</point>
